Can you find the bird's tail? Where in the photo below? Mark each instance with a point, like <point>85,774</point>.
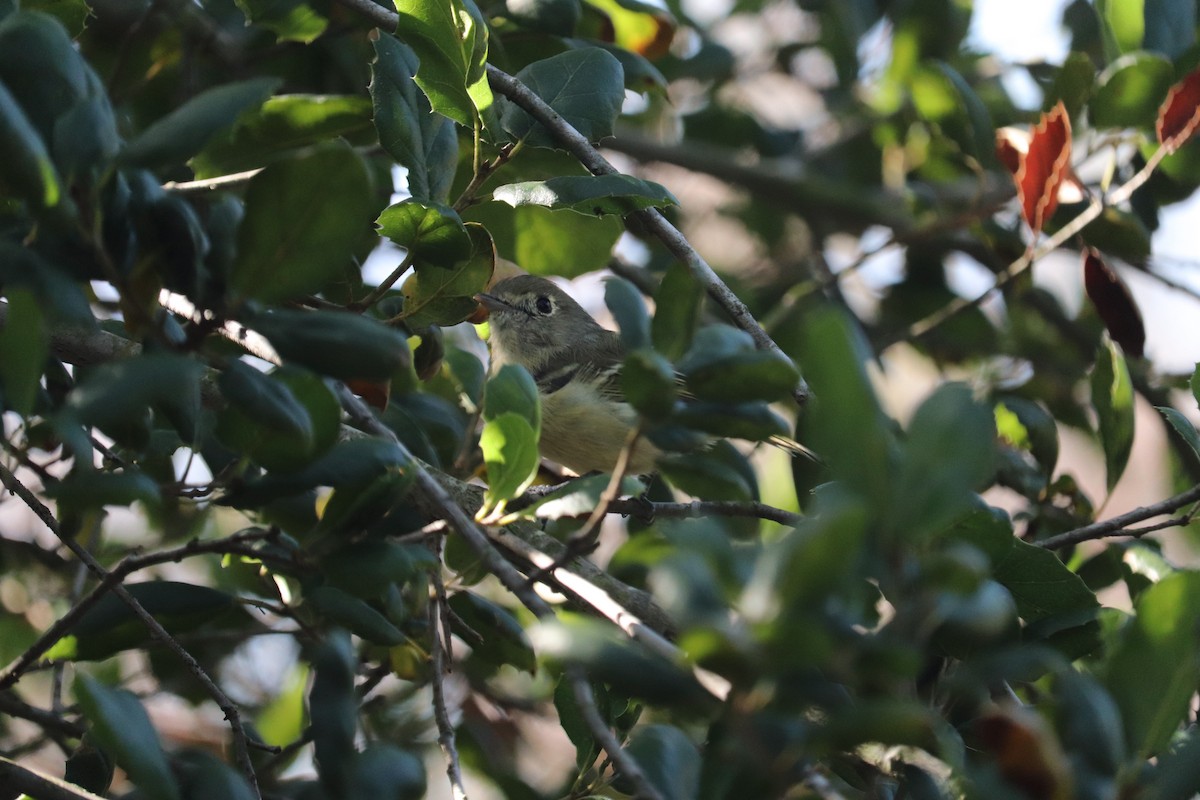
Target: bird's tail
<point>795,448</point>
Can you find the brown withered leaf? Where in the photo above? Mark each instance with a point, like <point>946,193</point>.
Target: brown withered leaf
<point>1179,114</point>
<point>1044,167</point>
<point>1114,303</point>
<point>1025,752</point>
<point>374,393</point>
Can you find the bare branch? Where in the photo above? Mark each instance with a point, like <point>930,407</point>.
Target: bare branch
<point>156,629</point>
<point>696,509</point>
<point>439,653</point>
<point>18,780</point>
<point>211,184</point>
<point>1117,526</point>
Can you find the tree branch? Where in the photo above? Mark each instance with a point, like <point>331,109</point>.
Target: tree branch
<point>157,631</point>
<point>23,780</point>
<point>1116,526</point>
<point>438,655</point>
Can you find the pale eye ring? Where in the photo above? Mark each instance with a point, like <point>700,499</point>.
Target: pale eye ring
<point>543,305</point>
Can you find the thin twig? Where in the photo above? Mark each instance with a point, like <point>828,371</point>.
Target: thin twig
<point>156,629</point>
<point>386,284</point>
<point>439,651</point>
<point>211,184</point>
<point>1117,526</point>
<point>254,342</point>
<point>13,706</point>
<point>235,544</point>
<point>696,509</point>
<point>444,507</point>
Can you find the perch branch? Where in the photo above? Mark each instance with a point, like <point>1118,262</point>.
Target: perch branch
<point>1118,525</point>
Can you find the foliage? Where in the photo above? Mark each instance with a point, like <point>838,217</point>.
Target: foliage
<point>188,194</point>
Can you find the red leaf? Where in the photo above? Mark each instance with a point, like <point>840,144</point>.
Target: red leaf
<point>1011,146</point>
<point>374,393</point>
<point>1180,112</point>
<point>1044,167</point>
<point>1114,303</point>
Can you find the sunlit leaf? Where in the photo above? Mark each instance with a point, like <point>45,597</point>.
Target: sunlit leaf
<point>1044,167</point>
<point>1112,397</point>
<point>1180,112</point>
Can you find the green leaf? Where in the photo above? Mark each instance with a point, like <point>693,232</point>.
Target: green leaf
<point>1090,722</point>
<point>24,345</point>
<point>182,133</point>
<point>432,232</point>
<point>333,709</point>
<point>423,142</point>
<point>507,642</point>
<point>586,87</point>
<point>609,656</point>
<point>754,422</point>
<point>114,396</point>
<point>546,242</point>
<point>303,219</point>
<point>949,455</point>
<point>282,421</point>
<point>1183,426</point>
<point>1073,83</point>
<point>365,569</point>
<point>677,306</point>
<point>26,170</point>
<point>451,41</point>
<point>577,498</point>
<point>1122,23</point>
<point>122,728</point>
<point>1112,397</point>
<point>649,383</point>
<point>713,474</point>
<point>336,343</point>
<point>1130,90</point>
<point>1170,27</point>
<point>1178,774</point>
<point>283,125</point>
<point>629,310</point>
<point>437,295</point>
<point>385,772</point>
<point>595,195</point>
<point>289,20</point>
<point>512,391</point>
<point>73,14</point>
<point>266,400</point>
<point>41,67</point>
<point>723,365</point>
<point>354,615</point>
<point>510,452</point>
<point>111,626</point>
<point>85,139</point>
<point>84,490</point>
<point>557,17</point>
<point>202,774</point>
<point>282,720</point>
<point>1152,670</point>
<point>1194,383</point>
<point>352,508</point>
<point>669,760</point>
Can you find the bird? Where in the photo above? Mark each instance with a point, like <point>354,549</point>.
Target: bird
<point>576,365</point>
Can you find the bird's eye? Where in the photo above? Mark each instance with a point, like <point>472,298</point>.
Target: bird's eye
<point>543,305</point>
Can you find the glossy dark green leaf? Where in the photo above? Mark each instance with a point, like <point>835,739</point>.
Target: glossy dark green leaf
<point>677,306</point>
<point>649,383</point>
<point>586,87</point>
<point>352,508</point>
<point>1178,773</point>
<point>1130,90</point>
<point>669,760</point>
<point>510,452</point>
<point>629,310</point>
<point>303,219</point>
<point>353,462</point>
<point>754,422</point>
<point>712,474</point>
<point>121,726</point>
<point>354,615</point>
<point>1090,722</point>
<point>1112,397</point>
<point>451,42</point>
<point>182,133</point>
<point>1183,426</point>
<point>446,295</point>
<point>42,69</point>
<point>289,20</point>
<point>84,490</point>
<point>512,391</point>
<point>1194,383</point>
<point>611,657</point>
<point>61,299</point>
<point>300,424</point>
<point>558,17</point>
<point>949,455</point>
<point>89,768</point>
<point>1073,84</point>
<point>73,14</point>
<point>112,395</point>
<point>507,640</point>
<point>339,344</point>
<point>26,171</point>
<point>366,568</point>
<point>266,400</point>
<point>24,345</point>
<point>546,242</point>
<point>333,709</point>
<point>421,141</point>
<point>1040,432</point>
<point>203,775</point>
<point>111,626</point>
<point>1170,27</point>
<point>386,772</point>
<point>595,195</point>
<point>434,233</point>
<point>1151,671</point>
<point>641,75</point>
<point>283,127</point>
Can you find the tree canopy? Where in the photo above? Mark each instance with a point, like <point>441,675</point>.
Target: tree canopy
<point>273,529</point>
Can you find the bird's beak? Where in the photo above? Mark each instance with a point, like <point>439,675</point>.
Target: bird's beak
<point>490,302</point>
